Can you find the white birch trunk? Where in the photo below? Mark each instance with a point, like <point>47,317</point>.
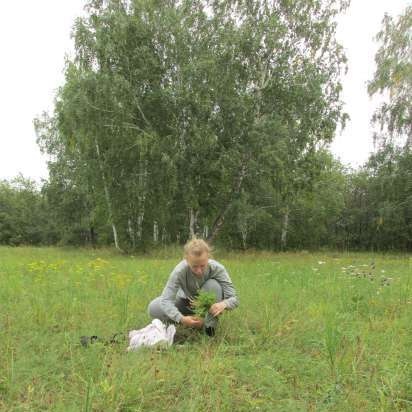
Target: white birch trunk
<point>243,229</point>
<point>155,232</point>
<point>140,226</point>
<point>131,232</point>
<point>142,196</point>
<point>192,222</point>
<point>285,224</point>
<point>107,196</point>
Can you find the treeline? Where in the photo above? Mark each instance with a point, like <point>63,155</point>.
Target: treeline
<point>212,118</point>
<point>368,209</point>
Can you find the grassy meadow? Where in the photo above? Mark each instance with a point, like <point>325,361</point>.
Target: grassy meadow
<point>314,332</point>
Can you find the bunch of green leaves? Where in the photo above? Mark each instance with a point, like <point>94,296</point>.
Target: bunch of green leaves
<point>202,303</point>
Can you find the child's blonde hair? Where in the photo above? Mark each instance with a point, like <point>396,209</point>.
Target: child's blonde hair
<point>196,247</point>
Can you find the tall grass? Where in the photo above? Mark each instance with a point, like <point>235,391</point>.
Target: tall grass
<point>314,332</point>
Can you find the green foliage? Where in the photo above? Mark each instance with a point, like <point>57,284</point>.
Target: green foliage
<point>211,118</point>
<point>365,209</point>
<point>378,209</point>
<point>24,215</point>
<point>393,75</point>
<point>202,303</point>
<point>167,113</point>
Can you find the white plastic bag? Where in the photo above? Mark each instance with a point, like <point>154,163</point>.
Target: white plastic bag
<point>156,333</point>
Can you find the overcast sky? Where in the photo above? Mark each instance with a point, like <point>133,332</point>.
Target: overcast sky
<point>35,36</point>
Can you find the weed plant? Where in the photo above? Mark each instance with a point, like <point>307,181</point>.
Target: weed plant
<point>202,303</point>
<point>313,332</point>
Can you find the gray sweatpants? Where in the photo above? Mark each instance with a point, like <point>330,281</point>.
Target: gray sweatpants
<point>182,304</point>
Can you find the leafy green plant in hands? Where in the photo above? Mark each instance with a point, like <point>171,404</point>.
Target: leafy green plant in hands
<point>202,303</point>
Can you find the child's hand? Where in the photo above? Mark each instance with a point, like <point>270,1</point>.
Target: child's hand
<point>192,322</point>
<point>217,308</point>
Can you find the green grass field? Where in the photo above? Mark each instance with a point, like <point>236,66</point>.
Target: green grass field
<point>314,332</point>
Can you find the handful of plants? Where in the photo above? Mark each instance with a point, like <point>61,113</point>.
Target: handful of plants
<point>202,303</point>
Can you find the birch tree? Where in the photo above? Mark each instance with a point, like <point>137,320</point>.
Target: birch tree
<point>393,77</point>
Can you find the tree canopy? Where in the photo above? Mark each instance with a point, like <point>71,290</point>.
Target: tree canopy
<point>393,76</point>
<point>169,113</point>
<point>213,118</point>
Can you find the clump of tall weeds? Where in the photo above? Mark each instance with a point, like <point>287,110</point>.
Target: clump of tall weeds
<point>202,303</point>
